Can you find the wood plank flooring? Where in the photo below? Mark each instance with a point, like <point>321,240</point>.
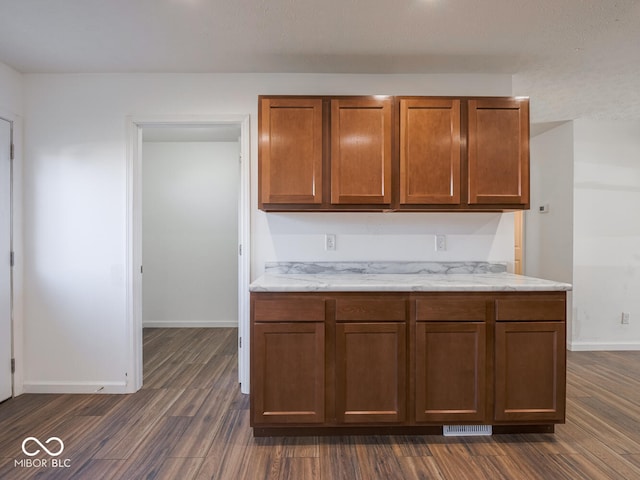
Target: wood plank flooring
<point>190,422</point>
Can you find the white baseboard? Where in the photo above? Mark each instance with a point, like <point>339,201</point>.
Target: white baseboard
<point>602,346</point>
<point>76,387</point>
<point>190,324</point>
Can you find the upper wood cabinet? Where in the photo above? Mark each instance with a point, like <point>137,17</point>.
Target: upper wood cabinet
<point>290,167</point>
<point>498,139</point>
<point>393,153</point>
<point>430,151</point>
<point>361,151</point>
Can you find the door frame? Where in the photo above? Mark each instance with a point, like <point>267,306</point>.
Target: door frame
<point>12,329</point>
<point>518,242</point>
<point>134,125</point>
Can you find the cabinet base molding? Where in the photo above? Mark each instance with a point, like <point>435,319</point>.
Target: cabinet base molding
<point>509,429</point>
<point>378,430</point>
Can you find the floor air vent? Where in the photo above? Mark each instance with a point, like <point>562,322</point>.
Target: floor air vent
<point>466,430</point>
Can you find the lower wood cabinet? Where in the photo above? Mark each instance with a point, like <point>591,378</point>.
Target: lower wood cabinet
<point>288,376</point>
<point>530,358</point>
<point>287,360</point>
<point>406,360</point>
<point>530,371</point>
<point>450,372</point>
<point>371,372</point>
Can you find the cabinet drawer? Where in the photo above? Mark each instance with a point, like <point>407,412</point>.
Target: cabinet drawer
<point>451,309</point>
<point>530,310</point>
<point>371,309</point>
<point>289,310</point>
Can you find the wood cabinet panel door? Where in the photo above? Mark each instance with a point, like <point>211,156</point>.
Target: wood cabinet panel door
<point>530,374</point>
<point>498,142</point>
<point>290,139</point>
<point>287,374</point>
<point>450,367</point>
<point>429,151</point>
<point>361,151</point>
<point>371,372</point>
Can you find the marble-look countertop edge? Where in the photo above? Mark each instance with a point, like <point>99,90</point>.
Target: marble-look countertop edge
<point>487,282</point>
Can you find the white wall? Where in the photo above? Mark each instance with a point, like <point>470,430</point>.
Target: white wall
<point>190,233</point>
<point>549,236</point>
<point>12,108</point>
<point>386,236</point>
<point>11,91</point>
<point>75,205</point>
<point>606,234</point>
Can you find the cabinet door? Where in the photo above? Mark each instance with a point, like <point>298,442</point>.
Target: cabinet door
<point>290,138</point>
<point>530,371</point>
<point>499,151</point>
<point>450,372</point>
<point>361,151</point>
<point>287,374</point>
<point>371,372</point>
<point>429,151</point>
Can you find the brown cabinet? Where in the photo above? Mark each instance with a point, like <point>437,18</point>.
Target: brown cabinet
<point>360,151</point>
<point>325,153</point>
<point>290,167</point>
<point>290,375</point>
<point>371,365</point>
<point>288,361</point>
<point>393,153</point>
<point>498,142</point>
<point>430,156</point>
<point>464,154</point>
<point>410,360</point>
<point>530,360</point>
<point>450,360</point>
<point>370,372</point>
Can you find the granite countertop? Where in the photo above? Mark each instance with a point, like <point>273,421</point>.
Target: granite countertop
<point>397,277</point>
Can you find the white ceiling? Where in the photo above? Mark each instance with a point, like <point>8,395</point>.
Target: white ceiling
<point>575,58</point>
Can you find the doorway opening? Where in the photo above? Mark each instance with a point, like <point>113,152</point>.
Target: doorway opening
<point>165,218</point>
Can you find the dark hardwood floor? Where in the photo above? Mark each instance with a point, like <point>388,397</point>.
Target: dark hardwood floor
<point>191,422</point>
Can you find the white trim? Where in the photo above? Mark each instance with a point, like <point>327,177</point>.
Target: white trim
<point>603,346</point>
<point>134,126</point>
<point>244,260</point>
<point>190,324</point>
<point>75,387</point>
<point>8,199</point>
<point>17,246</point>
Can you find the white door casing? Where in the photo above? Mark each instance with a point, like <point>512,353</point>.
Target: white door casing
<point>5,268</point>
<point>134,238</point>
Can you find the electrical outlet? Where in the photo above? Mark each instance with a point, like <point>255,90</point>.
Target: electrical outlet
<point>625,318</point>
<point>441,243</point>
<point>329,242</point>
